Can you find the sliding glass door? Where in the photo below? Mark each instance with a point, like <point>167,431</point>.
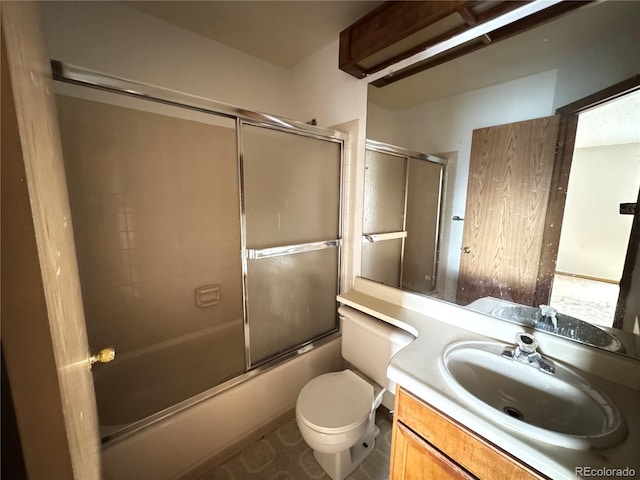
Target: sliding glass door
<point>291,214</point>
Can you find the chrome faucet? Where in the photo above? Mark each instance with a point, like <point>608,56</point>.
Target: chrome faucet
<point>526,352</point>
<point>550,313</point>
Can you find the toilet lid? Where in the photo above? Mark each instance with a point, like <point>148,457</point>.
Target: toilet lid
<point>335,402</point>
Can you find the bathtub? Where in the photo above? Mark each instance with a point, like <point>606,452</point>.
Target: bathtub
<point>176,444</point>
<point>147,383</point>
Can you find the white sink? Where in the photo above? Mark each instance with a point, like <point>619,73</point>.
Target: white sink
<point>560,408</point>
<point>566,326</point>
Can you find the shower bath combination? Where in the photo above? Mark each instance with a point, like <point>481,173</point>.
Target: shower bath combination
<point>208,240</point>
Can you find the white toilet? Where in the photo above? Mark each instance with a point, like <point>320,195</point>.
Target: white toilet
<point>335,412</point>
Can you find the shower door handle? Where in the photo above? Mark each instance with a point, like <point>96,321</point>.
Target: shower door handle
<point>254,254</point>
<point>105,355</point>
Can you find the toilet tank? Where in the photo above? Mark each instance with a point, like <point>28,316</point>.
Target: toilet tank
<point>368,344</point>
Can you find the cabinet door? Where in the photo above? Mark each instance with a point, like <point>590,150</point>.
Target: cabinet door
<point>413,458</point>
<point>473,455</point>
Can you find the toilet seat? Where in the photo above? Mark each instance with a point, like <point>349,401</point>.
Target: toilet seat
<point>335,402</point>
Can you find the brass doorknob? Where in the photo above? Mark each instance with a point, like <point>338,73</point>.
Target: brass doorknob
<point>105,355</point>
<point>466,250</point>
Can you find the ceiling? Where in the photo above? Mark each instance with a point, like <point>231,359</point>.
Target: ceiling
<point>614,123</point>
<point>279,32</point>
<point>284,33</point>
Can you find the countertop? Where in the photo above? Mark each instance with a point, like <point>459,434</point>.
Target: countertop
<point>436,324</point>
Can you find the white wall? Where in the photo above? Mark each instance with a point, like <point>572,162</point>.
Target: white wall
<point>594,235</point>
<point>605,61</point>
<point>338,100</point>
<point>111,38</point>
<point>324,92</point>
<point>381,124</point>
<point>117,40</point>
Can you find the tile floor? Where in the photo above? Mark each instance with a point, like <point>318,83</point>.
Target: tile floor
<point>585,299</point>
<point>283,455</point>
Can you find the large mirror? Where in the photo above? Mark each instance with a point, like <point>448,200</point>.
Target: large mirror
<point>491,116</point>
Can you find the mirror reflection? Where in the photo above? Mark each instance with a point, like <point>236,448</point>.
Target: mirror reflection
<point>538,208</point>
<point>401,224</point>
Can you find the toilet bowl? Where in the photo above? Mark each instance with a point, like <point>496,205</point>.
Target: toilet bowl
<point>335,412</point>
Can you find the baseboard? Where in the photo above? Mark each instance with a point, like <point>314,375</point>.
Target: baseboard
<point>238,446</point>
<point>587,277</point>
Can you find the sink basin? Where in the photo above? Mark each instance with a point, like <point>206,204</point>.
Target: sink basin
<point>562,409</point>
<point>568,327</point>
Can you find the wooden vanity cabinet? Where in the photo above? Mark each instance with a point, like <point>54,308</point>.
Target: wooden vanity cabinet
<point>428,445</point>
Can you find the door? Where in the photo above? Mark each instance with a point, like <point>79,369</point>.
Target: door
<point>291,213</point>
<point>626,307</point>
<point>518,176</point>
<point>43,333</point>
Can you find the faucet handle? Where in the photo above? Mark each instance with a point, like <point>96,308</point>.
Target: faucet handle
<point>548,311</point>
<point>526,343</point>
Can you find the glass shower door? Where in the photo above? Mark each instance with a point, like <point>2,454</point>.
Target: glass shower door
<point>384,217</point>
<point>291,212</point>
<point>403,194</point>
<point>208,244</point>
<point>424,203</point>
<point>156,216</point>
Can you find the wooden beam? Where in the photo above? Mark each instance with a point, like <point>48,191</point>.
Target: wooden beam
<point>468,16</point>
<point>503,33</point>
<point>493,12</point>
<point>412,51</point>
<point>388,24</point>
<point>434,62</point>
<point>606,95</point>
<point>471,19</point>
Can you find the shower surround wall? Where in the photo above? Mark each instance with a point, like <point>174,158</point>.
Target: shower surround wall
<point>155,207</point>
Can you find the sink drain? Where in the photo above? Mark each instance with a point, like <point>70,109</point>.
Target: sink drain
<point>513,412</point>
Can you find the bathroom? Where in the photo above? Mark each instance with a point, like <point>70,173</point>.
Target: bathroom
<point>83,35</point>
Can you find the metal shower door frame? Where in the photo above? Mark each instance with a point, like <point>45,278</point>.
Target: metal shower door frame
<point>407,155</point>
<point>72,74</point>
<point>252,254</point>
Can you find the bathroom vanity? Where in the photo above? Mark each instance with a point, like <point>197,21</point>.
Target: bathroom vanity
<point>441,431</point>
<point>426,443</point>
